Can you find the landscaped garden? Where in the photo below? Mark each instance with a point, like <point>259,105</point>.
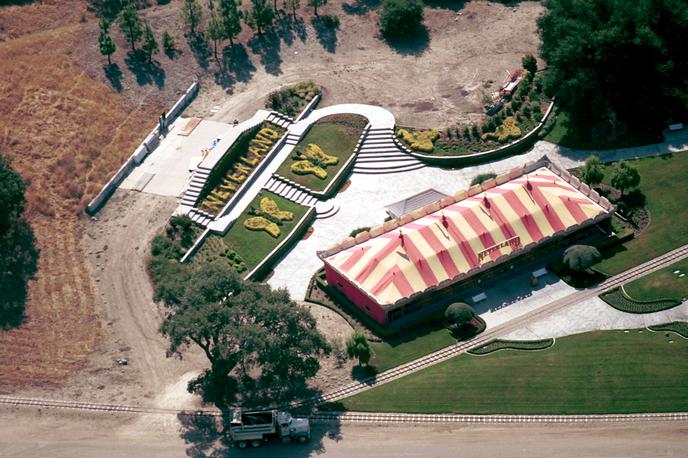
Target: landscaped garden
<point>291,100</point>
<point>509,117</point>
<point>595,372</point>
<point>267,221</point>
<point>323,151</point>
<point>499,344</point>
<point>661,181</point>
<point>237,164</point>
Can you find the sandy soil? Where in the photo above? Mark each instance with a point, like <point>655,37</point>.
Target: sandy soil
<point>439,83</point>
<point>43,433</point>
<point>436,79</point>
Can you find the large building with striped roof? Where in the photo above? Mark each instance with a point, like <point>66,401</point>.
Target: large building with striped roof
<point>388,270</point>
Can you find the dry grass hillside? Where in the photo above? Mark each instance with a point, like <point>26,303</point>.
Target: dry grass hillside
<point>66,134</point>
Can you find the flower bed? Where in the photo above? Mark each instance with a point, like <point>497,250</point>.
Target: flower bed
<point>290,100</point>
<point>237,164</point>
<point>621,301</point>
<point>499,344</point>
<point>516,117</point>
<point>335,136</point>
<point>244,246</point>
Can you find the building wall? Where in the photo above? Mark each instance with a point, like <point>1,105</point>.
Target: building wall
<point>362,301</point>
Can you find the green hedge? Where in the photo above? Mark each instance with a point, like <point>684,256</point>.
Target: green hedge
<point>499,344</point>
<point>679,327</point>
<point>621,301</point>
<point>239,147</point>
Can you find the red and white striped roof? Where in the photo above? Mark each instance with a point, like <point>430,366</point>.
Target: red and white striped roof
<point>464,235</point>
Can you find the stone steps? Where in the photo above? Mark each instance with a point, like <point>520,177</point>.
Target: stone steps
<point>379,154</point>
<point>279,119</point>
<point>290,191</point>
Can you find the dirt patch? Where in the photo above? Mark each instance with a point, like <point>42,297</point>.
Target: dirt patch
<point>335,369</point>
<point>467,50</point>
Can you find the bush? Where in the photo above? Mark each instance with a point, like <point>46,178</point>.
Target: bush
<point>421,140</point>
<point>504,132</point>
<point>580,257</point>
<point>400,18</point>
<point>459,316</point>
<point>478,179</point>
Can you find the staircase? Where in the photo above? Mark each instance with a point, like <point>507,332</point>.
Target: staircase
<point>198,179</point>
<point>300,195</point>
<point>200,217</point>
<point>279,119</point>
<point>379,154</point>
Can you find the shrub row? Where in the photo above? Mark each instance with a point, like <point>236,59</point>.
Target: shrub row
<point>621,301</point>
<point>679,327</point>
<point>499,344</point>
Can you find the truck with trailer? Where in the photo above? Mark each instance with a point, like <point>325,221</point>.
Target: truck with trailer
<point>254,428</point>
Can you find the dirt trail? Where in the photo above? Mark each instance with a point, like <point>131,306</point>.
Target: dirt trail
<point>117,244</point>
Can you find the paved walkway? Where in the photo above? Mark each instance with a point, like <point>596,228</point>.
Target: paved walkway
<point>593,315</point>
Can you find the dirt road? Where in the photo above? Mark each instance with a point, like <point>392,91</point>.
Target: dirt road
<point>29,432</point>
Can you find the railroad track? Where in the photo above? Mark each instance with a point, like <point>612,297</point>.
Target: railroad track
<point>359,417</point>
<point>510,326</point>
<point>416,365</point>
<point>387,418</point>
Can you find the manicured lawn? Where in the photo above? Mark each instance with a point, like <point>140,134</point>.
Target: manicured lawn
<point>664,183</point>
<point>598,372</point>
<point>662,284</point>
<point>252,246</point>
<point>565,134</point>
<point>392,352</point>
<point>336,137</point>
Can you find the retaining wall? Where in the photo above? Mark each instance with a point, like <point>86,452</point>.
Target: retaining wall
<point>149,145</point>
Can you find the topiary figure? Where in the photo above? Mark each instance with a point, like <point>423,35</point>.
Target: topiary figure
<point>580,257</point>
<point>420,140</point>
<point>507,130</point>
<point>459,317</point>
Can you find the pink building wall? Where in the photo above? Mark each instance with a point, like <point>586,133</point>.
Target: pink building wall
<point>362,301</point>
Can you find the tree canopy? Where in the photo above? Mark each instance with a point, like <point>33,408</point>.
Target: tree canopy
<point>260,16</point>
<point>357,347</point>
<point>262,347</point>
<point>192,14</point>
<point>617,59</point>
<point>131,25</point>
<point>581,257</point>
<point>106,45</point>
<point>459,317</point>
<point>18,253</point>
<point>593,172</point>
<point>625,177</point>
<point>400,18</point>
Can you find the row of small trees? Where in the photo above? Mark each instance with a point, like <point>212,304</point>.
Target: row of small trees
<point>220,19</point>
<point>136,30</point>
<point>625,176</point>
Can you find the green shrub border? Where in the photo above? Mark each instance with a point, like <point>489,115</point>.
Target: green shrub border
<point>501,344</point>
<point>618,299</point>
<point>678,327</point>
<point>220,169</point>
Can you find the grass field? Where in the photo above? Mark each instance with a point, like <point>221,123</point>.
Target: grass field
<point>662,284</point>
<point>661,180</point>
<point>336,136</point>
<point>253,246</point>
<point>393,352</point>
<point>598,372</point>
<point>66,134</point>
